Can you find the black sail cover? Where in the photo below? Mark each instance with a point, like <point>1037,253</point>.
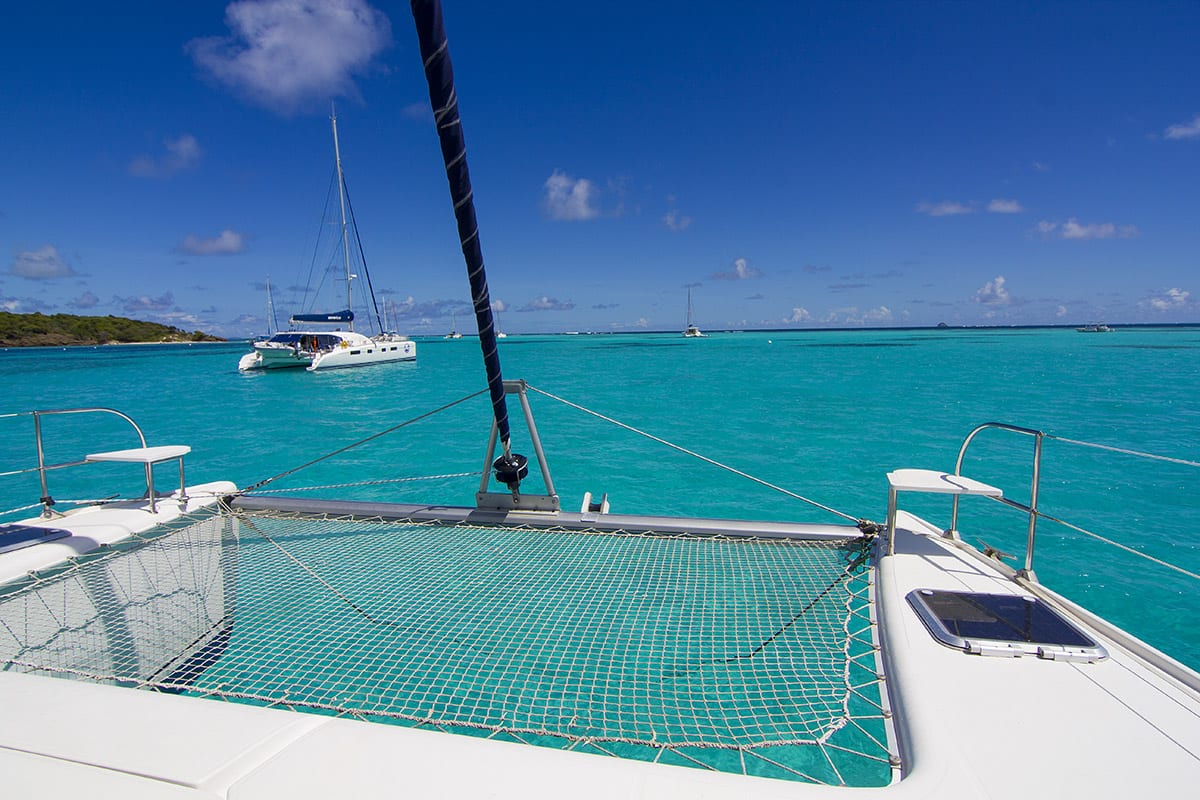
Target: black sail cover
<point>435,53</point>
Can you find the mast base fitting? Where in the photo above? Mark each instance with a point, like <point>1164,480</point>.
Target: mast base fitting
<point>510,470</point>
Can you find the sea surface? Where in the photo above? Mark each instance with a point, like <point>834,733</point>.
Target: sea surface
<point>823,414</point>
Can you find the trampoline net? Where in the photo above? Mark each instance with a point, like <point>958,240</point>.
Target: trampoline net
<point>750,654</point>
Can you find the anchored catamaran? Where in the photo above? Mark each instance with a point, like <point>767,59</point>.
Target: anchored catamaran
<point>329,347</point>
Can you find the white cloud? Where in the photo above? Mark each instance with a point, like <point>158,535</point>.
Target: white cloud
<point>85,300</point>
<point>852,316</point>
<point>1000,206</point>
<point>143,304</point>
<point>1171,300</point>
<point>285,54</point>
<point>545,303</point>
<point>41,265</point>
<point>497,305</point>
<point>1040,166</point>
<point>25,305</point>
<point>676,222</point>
<point>225,243</point>
<point>799,315</point>
<point>947,208</point>
<point>1185,130</point>
<point>182,153</point>
<point>1072,229</point>
<point>1061,311</point>
<point>742,270</point>
<point>569,199</point>
<point>881,314</point>
<point>993,293</point>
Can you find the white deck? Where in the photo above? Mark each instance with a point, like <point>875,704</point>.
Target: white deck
<point>970,726</point>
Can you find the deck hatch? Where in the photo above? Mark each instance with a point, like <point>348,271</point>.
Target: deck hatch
<point>1001,623</point>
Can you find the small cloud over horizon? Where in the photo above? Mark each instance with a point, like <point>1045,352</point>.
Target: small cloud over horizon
<point>1172,299</point>
<point>742,270</point>
<point>143,304</point>
<point>993,293</point>
<point>225,243</point>
<point>544,303</point>
<point>1001,206</point>
<point>1074,229</point>
<point>85,300</point>
<point>947,208</point>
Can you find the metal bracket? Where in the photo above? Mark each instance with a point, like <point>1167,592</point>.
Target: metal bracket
<point>508,500</point>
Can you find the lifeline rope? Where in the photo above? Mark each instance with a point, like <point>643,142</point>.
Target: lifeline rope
<point>1124,547</point>
<point>378,482</point>
<point>1110,448</point>
<point>694,454</point>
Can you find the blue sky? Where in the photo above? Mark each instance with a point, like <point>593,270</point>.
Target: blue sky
<point>796,164</point>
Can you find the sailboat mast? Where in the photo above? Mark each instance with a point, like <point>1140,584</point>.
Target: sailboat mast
<point>337,156</point>
<point>272,323</point>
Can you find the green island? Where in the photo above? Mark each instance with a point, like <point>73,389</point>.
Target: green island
<point>58,330</point>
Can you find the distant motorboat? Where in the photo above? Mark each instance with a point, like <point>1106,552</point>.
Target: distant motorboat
<point>1095,327</point>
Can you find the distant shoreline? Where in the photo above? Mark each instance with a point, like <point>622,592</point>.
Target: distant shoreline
<point>95,346</point>
<point>72,330</point>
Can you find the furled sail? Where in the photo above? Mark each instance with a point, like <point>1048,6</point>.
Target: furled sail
<point>329,319</point>
<point>435,53</point>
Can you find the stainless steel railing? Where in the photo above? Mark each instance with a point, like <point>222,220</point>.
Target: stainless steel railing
<point>42,467</point>
<point>1031,508</point>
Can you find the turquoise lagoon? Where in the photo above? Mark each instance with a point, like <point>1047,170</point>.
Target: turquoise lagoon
<point>824,414</point>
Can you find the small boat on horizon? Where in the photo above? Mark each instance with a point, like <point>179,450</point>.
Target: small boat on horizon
<point>691,331</point>
<point>453,334</point>
<point>1094,327</point>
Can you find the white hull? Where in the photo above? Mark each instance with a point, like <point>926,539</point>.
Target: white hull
<point>321,350</point>
<point>364,355</point>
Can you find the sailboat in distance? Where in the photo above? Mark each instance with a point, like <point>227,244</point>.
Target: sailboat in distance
<point>691,331</point>
<point>453,334</point>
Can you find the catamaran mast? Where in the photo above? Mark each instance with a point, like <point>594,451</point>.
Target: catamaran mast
<point>337,155</point>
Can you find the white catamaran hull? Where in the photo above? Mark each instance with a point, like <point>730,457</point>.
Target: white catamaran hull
<point>323,350</point>
<point>348,355</point>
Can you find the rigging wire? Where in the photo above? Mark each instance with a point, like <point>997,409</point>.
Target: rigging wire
<point>360,442</point>
<point>361,254</point>
<point>312,264</point>
<point>694,454</point>
<point>1118,545</point>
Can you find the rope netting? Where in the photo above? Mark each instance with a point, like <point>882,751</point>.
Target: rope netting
<point>751,654</point>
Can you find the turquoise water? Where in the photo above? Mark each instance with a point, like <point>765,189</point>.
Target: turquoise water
<point>824,414</point>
